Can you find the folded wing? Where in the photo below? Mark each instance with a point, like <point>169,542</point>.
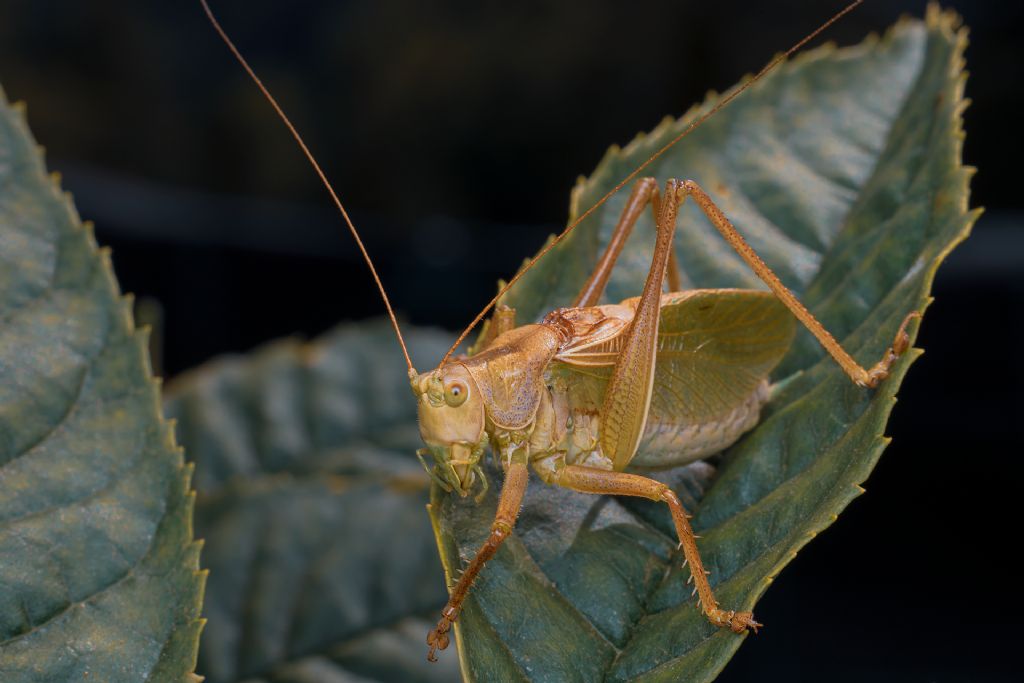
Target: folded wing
<point>716,349</point>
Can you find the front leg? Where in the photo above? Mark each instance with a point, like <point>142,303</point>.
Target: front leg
<point>512,491</point>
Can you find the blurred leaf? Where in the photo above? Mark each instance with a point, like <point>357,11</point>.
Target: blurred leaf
<point>99,573</point>
<point>843,170</point>
<point>312,506</point>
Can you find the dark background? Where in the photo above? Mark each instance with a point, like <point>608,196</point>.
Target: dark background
<point>454,131</point>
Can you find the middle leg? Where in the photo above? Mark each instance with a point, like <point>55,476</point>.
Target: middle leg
<point>591,480</point>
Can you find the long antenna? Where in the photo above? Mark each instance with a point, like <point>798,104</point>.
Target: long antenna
<point>319,172</point>
<point>625,181</point>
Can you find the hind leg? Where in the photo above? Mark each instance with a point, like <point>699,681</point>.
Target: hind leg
<point>870,377</point>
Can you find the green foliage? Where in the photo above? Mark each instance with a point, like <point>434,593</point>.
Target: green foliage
<point>99,573</point>
<point>322,563</point>
<point>843,170</point>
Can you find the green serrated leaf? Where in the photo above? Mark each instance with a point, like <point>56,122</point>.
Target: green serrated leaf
<point>312,507</point>
<point>99,574</point>
<point>842,168</point>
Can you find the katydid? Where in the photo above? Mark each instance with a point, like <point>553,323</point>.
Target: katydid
<point>591,395</point>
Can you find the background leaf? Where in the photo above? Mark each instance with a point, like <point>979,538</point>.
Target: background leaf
<point>312,507</point>
<point>99,573</point>
<point>843,170</point>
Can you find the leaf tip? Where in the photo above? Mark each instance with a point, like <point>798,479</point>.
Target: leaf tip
<point>937,17</point>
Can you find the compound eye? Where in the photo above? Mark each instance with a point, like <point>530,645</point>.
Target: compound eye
<point>455,394</point>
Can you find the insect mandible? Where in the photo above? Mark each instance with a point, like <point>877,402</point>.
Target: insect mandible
<point>575,396</point>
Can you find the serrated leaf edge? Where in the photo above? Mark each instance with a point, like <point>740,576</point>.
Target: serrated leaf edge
<point>139,337</point>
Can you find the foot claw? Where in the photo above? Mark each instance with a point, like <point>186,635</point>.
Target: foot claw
<point>737,622</point>
<point>900,344</point>
<point>902,341</point>
<point>438,639</point>
<point>743,621</point>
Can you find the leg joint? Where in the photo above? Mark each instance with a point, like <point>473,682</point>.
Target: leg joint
<point>500,529</point>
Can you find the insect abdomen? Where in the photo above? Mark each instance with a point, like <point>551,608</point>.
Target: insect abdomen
<point>668,440</point>
<point>669,443</point>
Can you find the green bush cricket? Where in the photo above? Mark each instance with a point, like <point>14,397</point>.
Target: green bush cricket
<point>591,395</point>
